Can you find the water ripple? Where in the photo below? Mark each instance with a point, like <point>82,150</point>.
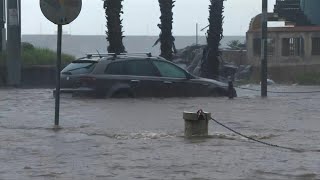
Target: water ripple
<point>143,138</point>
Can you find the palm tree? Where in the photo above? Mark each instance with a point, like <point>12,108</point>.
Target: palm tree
<point>210,64</point>
<point>113,9</point>
<point>166,38</point>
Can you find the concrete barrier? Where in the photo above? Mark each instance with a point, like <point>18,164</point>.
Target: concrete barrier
<point>3,76</point>
<point>38,76</point>
<point>33,76</point>
<point>286,74</point>
<point>44,76</point>
<point>196,124</point>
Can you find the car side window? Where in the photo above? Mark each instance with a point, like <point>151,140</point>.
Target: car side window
<point>115,68</point>
<point>140,68</point>
<point>169,70</point>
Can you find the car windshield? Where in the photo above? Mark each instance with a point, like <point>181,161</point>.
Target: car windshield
<point>79,68</point>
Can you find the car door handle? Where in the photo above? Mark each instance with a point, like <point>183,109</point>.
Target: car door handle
<point>135,81</point>
<point>167,82</point>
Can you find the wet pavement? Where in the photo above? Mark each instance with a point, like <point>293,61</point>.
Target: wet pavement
<point>143,138</point>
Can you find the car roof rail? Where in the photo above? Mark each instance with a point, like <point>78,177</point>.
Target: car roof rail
<point>89,55</point>
<point>149,54</point>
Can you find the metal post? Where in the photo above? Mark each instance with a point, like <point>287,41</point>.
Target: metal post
<point>2,21</point>
<point>264,49</point>
<point>58,69</point>
<point>197,27</point>
<point>14,43</point>
<point>230,89</point>
<point>19,11</point>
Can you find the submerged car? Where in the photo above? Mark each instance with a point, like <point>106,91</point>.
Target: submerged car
<point>135,75</point>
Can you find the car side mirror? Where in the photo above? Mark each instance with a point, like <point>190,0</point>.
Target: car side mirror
<point>188,76</point>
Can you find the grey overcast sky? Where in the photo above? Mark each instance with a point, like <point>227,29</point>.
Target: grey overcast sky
<point>141,17</point>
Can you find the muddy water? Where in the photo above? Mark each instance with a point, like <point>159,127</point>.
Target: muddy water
<point>143,138</point>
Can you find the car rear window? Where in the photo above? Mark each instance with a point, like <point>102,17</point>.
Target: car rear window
<point>78,67</point>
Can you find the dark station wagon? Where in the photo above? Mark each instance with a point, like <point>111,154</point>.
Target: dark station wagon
<point>135,75</point>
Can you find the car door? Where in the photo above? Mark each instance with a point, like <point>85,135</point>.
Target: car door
<point>114,79</point>
<point>176,82</point>
<point>173,79</point>
<point>143,76</point>
<point>196,88</point>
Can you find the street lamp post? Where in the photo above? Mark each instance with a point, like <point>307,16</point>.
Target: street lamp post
<point>264,49</point>
<point>2,23</point>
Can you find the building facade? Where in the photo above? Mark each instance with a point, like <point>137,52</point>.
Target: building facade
<point>286,45</point>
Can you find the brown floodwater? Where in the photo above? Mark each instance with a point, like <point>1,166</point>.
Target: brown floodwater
<point>143,138</point>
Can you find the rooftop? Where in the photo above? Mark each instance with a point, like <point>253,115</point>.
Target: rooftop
<point>291,29</point>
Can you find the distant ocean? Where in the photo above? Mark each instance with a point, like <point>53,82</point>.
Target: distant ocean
<point>79,45</point>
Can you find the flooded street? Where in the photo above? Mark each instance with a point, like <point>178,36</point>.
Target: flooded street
<point>143,138</point>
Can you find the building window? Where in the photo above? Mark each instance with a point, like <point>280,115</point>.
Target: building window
<point>257,46</point>
<point>316,46</point>
<point>292,46</point>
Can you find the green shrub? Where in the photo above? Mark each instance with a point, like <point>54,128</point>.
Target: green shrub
<point>27,46</point>
<point>38,56</point>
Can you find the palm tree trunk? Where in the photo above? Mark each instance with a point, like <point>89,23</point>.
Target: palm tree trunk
<point>113,10</point>
<point>166,37</point>
<point>210,64</point>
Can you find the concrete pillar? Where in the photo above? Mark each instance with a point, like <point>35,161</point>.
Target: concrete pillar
<point>196,124</point>
<point>14,43</point>
<point>277,48</point>
<point>250,54</point>
<point>307,47</point>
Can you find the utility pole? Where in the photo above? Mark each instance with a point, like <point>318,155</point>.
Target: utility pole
<point>2,22</point>
<point>197,34</point>
<point>14,43</point>
<point>264,49</point>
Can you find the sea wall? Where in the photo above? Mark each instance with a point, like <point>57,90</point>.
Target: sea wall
<point>236,57</point>
<point>44,76</point>
<point>33,76</point>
